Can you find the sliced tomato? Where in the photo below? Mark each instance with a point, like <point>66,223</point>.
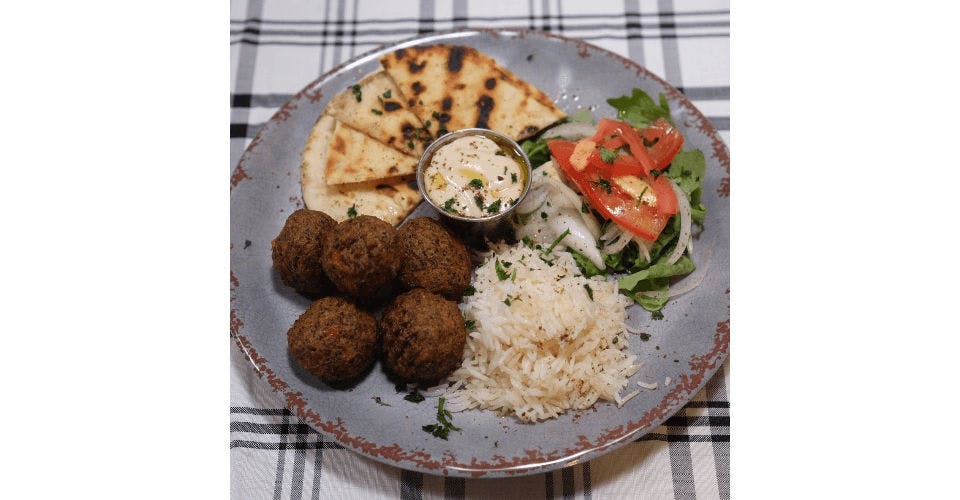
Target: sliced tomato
<point>595,182</point>
<point>611,130</point>
<point>665,141</point>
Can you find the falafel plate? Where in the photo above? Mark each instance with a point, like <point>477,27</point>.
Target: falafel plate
<point>560,292</point>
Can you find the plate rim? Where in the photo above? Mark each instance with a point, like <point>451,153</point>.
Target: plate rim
<point>703,366</point>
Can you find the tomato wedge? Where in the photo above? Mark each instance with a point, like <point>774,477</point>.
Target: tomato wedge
<point>607,196</point>
<point>666,142</point>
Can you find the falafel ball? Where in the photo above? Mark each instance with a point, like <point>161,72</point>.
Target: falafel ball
<point>423,336</point>
<point>297,251</point>
<point>334,340</point>
<point>360,255</point>
<point>433,258</point>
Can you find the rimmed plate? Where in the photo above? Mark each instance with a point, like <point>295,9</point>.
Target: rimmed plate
<point>686,347</point>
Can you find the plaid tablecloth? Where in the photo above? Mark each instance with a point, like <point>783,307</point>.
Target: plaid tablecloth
<point>277,47</point>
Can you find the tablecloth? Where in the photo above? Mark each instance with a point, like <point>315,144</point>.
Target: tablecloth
<point>277,47</point>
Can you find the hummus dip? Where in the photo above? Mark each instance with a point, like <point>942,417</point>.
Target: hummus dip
<point>474,176</point>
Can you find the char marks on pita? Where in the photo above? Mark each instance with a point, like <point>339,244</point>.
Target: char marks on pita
<point>356,157</point>
<point>390,199</point>
<point>375,106</point>
<point>451,87</point>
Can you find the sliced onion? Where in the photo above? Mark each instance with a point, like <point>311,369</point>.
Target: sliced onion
<point>696,282</point>
<point>685,223</point>
<point>535,199</point>
<point>571,130</point>
<point>620,244</point>
<point>644,247</point>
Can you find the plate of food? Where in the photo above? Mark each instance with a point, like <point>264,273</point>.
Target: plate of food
<point>483,253</point>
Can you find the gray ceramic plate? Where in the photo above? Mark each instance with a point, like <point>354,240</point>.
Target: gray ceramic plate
<point>687,346</point>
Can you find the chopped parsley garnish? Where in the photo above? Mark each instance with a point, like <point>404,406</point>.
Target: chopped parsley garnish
<point>476,183</point>
<point>584,208</point>
<point>513,177</point>
<point>479,200</point>
<point>589,290</point>
<point>506,301</point>
<point>386,95</point>
<point>657,315</point>
<point>557,241</point>
<point>543,215</point>
<point>616,339</point>
<point>352,211</point>
<point>528,242</point>
<point>500,153</point>
<point>502,273</point>
<point>357,93</point>
<point>414,397</point>
<point>435,115</point>
<point>493,207</point>
<point>607,156</point>
<point>426,124</point>
<point>410,144</point>
<point>513,276</point>
<point>655,173</point>
<point>448,205</point>
<point>469,290</point>
<point>376,111</point>
<point>602,184</point>
<point>640,198</point>
<point>380,401</point>
<point>644,336</point>
<point>443,428</point>
<point>471,324</point>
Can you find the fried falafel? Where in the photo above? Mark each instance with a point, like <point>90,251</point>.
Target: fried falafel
<point>360,255</point>
<point>297,251</point>
<point>334,340</point>
<point>423,336</point>
<point>433,258</point>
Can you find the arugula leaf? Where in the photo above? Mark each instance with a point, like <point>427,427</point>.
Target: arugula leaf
<point>639,109</point>
<point>688,169</point>
<point>582,116</point>
<point>536,150</point>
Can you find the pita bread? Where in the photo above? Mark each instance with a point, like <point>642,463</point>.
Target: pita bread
<point>454,87</point>
<point>355,157</point>
<point>395,125</point>
<point>390,199</point>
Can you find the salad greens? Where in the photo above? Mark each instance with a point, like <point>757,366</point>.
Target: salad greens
<point>687,170</point>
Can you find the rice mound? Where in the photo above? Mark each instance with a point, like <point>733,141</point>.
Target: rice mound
<point>551,349</point>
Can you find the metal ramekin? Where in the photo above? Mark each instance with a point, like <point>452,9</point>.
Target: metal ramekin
<point>491,220</point>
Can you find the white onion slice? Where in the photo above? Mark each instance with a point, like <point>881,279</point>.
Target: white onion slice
<point>644,246</point>
<point>685,223</point>
<point>571,130</point>
<point>619,244</point>
<point>696,281</point>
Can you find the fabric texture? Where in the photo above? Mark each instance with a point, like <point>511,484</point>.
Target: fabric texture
<point>277,47</point>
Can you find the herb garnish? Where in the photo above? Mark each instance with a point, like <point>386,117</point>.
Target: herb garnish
<point>410,144</point>
<point>426,124</point>
<point>441,430</point>
<point>589,291</point>
<point>500,153</point>
<point>352,211</point>
<point>448,205</point>
<point>476,183</point>
<point>471,324</point>
<point>640,198</point>
<point>602,184</point>
<point>607,156</point>
<point>557,241</point>
<point>655,173</point>
<point>376,111</point>
<point>615,339</point>
<point>507,301</point>
<point>513,177</point>
<point>386,95</point>
<point>469,290</point>
<point>528,242</point>
<point>414,397</point>
<point>584,208</point>
<point>543,215</point>
<point>644,336</point>
<point>502,273</point>
<point>380,401</point>
<point>479,200</point>
<point>357,93</point>
<point>435,115</point>
<point>493,207</point>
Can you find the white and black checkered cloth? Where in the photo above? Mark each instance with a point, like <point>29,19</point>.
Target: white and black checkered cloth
<point>277,47</point>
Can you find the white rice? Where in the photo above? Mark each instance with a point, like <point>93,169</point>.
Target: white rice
<point>552,349</point>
